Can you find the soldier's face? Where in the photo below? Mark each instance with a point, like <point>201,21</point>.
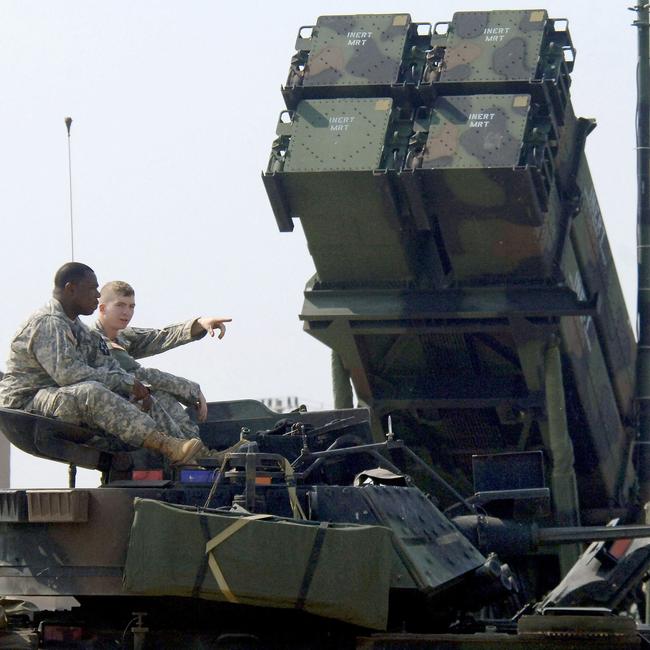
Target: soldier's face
<point>85,295</point>
<point>117,312</point>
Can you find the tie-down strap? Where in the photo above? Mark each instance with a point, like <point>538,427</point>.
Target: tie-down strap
<point>238,525</point>
<point>218,539</point>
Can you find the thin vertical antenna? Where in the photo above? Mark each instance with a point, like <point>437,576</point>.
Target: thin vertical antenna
<point>72,468</point>
<point>643,245</point>
<point>68,124</point>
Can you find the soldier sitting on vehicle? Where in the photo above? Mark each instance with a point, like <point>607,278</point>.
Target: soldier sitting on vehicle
<point>126,344</point>
<point>58,368</point>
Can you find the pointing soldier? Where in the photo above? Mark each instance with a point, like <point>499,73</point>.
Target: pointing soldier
<point>58,368</point>
<point>126,344</point>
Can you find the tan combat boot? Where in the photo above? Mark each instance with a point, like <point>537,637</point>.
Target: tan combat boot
<point>176,450</point>
<point>204,452</point>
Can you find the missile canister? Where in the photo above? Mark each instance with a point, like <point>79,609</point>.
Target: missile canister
<point>440,178</point>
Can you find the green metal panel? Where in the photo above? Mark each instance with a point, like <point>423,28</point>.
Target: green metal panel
<point>330,177</point>
<point>356,50</point>
<point>592,249</point>
<point>486,170</point>
<point>490,46</point>
<point>374,248</point>
<point>338,135</point>
<point>608,441</point>
<point>478,131</point>
<point>434,551</point>
<point>501,239</point>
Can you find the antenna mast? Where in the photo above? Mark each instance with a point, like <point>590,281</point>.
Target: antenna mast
<point>643,245</point>
<point>68,124</point>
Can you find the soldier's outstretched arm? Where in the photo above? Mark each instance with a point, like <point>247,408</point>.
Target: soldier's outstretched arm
<point>145,342</point>
<point>55,349</point>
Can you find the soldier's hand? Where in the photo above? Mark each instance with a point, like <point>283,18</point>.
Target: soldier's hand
<point>139,391</point>
<point>211,323</point>
<point>201,408</point>
<point>146,404</point>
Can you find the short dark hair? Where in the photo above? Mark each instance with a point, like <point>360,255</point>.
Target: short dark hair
<point>71,272</point>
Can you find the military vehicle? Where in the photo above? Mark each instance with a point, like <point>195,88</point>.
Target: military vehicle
<point>465,285</point>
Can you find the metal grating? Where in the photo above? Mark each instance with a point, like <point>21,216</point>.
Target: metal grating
<point>432,548</point>
<point>444,352</point>
<point>54,506</point>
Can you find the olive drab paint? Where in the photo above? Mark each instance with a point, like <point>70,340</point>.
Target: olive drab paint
<point>440,178</point>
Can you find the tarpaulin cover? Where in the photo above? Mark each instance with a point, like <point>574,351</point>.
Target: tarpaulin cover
<point>338,571</point>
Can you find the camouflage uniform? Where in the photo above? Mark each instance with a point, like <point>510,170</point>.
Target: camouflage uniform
<point>167,389</point>
<point>142,342</point>
<point>58,368</point>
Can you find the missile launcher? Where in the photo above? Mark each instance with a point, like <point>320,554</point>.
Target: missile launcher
<point>458,243</point>
<point>465,285</point>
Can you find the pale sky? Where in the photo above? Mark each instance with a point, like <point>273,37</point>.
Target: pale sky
<point>175,106</point>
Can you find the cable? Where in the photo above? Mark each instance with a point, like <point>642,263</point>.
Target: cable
<point>126,629</point>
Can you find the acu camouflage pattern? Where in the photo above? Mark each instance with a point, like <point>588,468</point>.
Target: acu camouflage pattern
<point>167,389</point>
<point>94,405</point>
<point>143,342</point>
<point>167,393</point>
<point>51,350</point>
<point>59,368</point>
<point>446,274</point>
<point>137,343</point>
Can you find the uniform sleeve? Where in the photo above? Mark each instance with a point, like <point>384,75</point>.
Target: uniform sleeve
<point>54,347</point>
<point>147,342</point>
<point>123,358</point>
<point>182,389</point>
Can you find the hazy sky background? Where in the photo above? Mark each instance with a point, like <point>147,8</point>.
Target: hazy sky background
<point>175,106</point>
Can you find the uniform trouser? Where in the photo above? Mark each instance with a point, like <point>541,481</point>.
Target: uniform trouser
<point>171,417</point>
<point>96,406</point>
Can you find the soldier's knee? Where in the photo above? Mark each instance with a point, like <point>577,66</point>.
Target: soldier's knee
<point>89,385</point>
<point>90,389</point>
